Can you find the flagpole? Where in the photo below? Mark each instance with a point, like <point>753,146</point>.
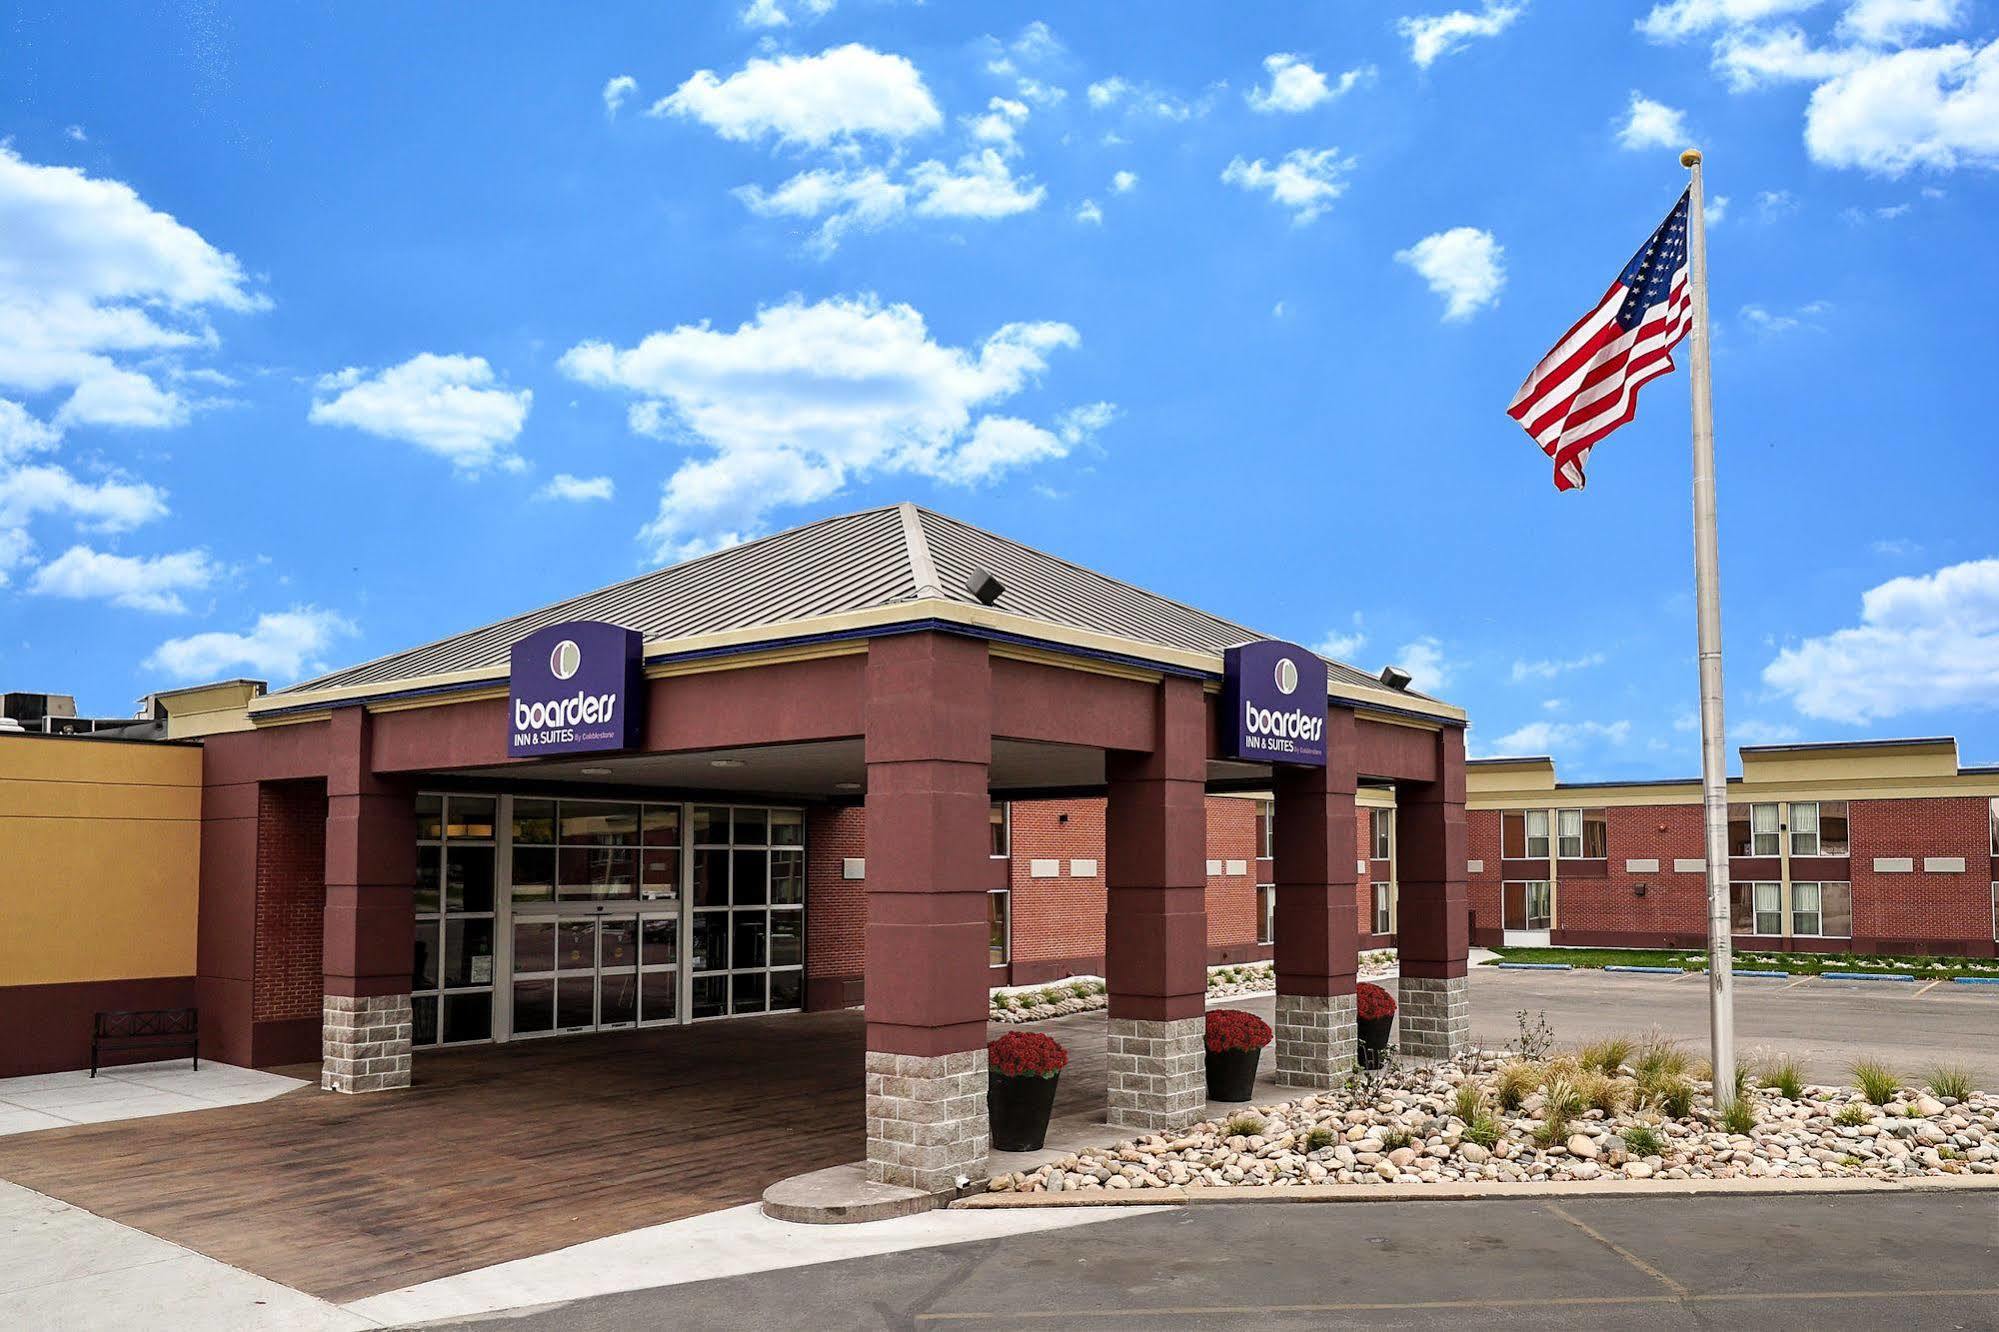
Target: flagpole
<point>1707,589</point>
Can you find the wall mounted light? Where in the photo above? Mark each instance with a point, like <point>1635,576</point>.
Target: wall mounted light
<point>725,763</point>
<point>1638,889</point>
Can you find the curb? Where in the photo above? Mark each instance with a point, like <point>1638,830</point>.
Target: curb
<point>1533,966</point>
<point>843,1195</point>
<point>1975,980</point>
<point>1866,976</point>
<point>1768,975</point>
<point>1649,971</point>
<point>1203,1195</point>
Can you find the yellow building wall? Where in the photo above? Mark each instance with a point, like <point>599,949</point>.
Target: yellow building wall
<point>100,854</point>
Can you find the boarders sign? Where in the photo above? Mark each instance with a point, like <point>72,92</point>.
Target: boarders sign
<point>575,688</point>
<point>1275,694</point>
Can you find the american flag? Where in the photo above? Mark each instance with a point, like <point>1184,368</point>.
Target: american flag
<point>1587,386</point>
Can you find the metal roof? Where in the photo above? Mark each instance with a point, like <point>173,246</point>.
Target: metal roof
<point>854,562</point>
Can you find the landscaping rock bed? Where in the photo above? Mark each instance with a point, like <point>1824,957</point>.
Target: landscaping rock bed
<point>1081,994</point>
<point>1405,1126</point>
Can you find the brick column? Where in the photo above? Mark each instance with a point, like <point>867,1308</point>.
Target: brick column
<point>1317,952</point>
<point>1156,926</point>
<point>928,746</point>
<point>1434,930</point>
<point>370,926</point>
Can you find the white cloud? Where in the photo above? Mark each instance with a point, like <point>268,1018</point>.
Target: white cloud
<point>1124,182</point>
<point>833,97</point>
<point>1547,670</point>
<point>981,185</point>
<point>1106,92</point>
<point>112,505</point>
<point>1558,737</point>
<point>1000,125</point>
<point>75,134</point>
<point>1753,58</point>
<point>1924,643</point>
<point>795,402</point>
<point>151,584</point>
<point>447,404</point>
<point>1079,425</point>
<point>1433,36</point>
<point>1772,323</point>
<point>863,199</point>
<point>1342,646</point>
<point>1717,209</point>
<point>1773,204</point>
<point>563,486</point>
<point>1650,124</point>
<point>616,91</point>
<point>1755,732</point>
<point>1893,22</point>
<point>281,647</point>
<point>1087,211</point>
<point>1142,100</point>
<point>1677,19</point>
<point>1423,658</point>
<point>1296,86</point>
<point>772,13</point>
<point>1306,181</point>
<point>1463,265</point>
<point>99,291</point>
<point>1896,547</point>
<point>1932,107</point>
<point>21,434</point>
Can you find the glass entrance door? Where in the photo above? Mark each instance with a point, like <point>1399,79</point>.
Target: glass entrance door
<point>574,973</point>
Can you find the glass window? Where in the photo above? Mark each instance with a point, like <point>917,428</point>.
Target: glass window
<point>1596,834</point>
<point>752,940</point>
<point>787,827</point>
<point>534,946</point>
<point>1527,905</point>
<point>659,873</point>
<point>1741,908</point>
<point>787,938</point>
<point>1805,908</point>
<point>1995,825</point>
<point>1764,831</point>
<point>471,817</point>
<point>711,996</point>
<point>589,872</point>
<point>711,825</point>
<point>1769,908</point>
<point>468,878</point>
<point>534,821</point>
<point>1537,834</point>
<point>430,817</point>
<point>1000,817</point>
<point>750,828</point>
<point>660,825</point>
<point>1738,830</point>
<point>1384,908</point>
<point>709,948</point>
<point>1836,910</point>
<point>468,951</point>
<point>599,823</point>
<point>999,927</point>
<point>1382,831</point>
<point>658,941</point>
<point>1805,833</point>
<point>429,873</point>
<point>1266,823</point>
<point>787,878</point>
<point>1581,834</point>
<point>423,975</point>
<point>468,1017</point>
<point>1834,837</point>
<point>1266,913</point>
<point>711,877</point>
<point>534,873</point>
<point>787,991</point>
<point>750,885</point>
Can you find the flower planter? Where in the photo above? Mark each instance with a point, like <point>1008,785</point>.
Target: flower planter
<point>1018,1109</point>
<point>1374,1039</point>
<point>1232,1074</point>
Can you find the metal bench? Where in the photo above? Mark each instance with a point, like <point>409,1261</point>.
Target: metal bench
<point>146,1029</point>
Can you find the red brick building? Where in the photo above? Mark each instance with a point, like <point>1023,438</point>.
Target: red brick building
<point>1884,846</point>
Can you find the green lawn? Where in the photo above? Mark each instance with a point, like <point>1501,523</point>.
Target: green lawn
<point>1803,964</point>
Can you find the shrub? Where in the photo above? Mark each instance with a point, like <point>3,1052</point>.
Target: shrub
<point>1082,990</point>
<point>1952,1082</point>
<point>1371,1001</point>
<point>1320,1138</point>
<point>1642,1141</point>
<point>1740,1117</point>
<point>1515,1084</point>
<point>1243,1126</point>
<point>1535,1038</point>
<point>1852,1115</point>
<point>1233,1029</point>
<point>1607,1055</point>
<point>1026,1054</point>
<point>1877,1082</point>
<point>1786,1075</point>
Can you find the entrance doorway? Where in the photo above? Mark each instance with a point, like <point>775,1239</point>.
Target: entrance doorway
<point>1527,913</point>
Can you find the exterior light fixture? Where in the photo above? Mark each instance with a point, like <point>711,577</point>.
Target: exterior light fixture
<point>984,586</point>
<point>1395,677</point>
<point>846,786</point>
<point>725,763</point>
<point>595,772</point>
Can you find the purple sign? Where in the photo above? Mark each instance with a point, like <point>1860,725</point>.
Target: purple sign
<point>575,688</point>
<point>1275,694</point>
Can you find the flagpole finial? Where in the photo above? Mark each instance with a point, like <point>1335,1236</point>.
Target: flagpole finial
<point>1690,158</point>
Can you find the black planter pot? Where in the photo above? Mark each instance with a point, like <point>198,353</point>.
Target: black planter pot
<point>1232,1074</point>
<point>1374,1039</point>
<point>1018,1110</point>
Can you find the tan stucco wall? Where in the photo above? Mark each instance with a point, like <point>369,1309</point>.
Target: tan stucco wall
<point>100,848</point>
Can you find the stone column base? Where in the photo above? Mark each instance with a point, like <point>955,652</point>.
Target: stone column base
<point>364,1043</point>
<point>1316,1039</point>
<point>1434,1014</point>
<point>927,1125</point>
<point>1158,1073</point>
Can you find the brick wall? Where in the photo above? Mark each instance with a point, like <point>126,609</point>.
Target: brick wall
<point>1919,911</point>
<point>1058,923</point>
<point>1231,898</point>
<point>1605,902</point>
<point>291,901</point>
<point>1482,888</point>
<point>836,907</point>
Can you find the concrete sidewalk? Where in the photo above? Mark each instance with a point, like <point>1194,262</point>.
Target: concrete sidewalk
<point>131,1091</point>
<point>64,1270</point>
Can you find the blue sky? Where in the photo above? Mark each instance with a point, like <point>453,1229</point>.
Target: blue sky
<point>327,331</point>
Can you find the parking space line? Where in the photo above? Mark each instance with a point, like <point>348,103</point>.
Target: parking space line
<point>1799,981</point>
<point>1616,1248</point>
<point>1926,989</point>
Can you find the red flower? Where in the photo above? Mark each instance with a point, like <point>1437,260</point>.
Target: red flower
<point>1371,1001</point>
<point>1233,1029</point>
<point>1026,1054</point>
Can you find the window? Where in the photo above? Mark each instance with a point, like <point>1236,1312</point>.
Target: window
<point>1995,825</point>
<point>1002,829</point>
<point>999,927</point>
<point>1818,828</point>
<point>1384,908</point>
<point>1527,905</point>
<point>1381,832</point>
<point>1523,834</point>
<point>1266,913</point>
<point>1756,908</point>
<point>1754,830</point>
<point>1995,893</point>
<point>1822,910</point>
<point>451,970</point>
<point>1582,834</point>
<point>1266,821</point>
